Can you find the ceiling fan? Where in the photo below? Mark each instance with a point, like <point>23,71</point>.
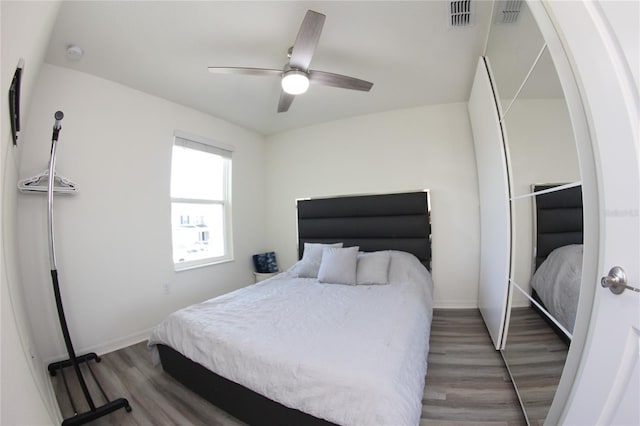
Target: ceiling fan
<point>296,75</point>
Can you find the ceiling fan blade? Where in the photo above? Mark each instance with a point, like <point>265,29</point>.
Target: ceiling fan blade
<point>245,71</point>
<point>307,40</point>
<point>337,80</point>
<point>285,101</point>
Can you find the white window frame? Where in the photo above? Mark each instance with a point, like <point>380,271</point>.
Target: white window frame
<point>206,145</point>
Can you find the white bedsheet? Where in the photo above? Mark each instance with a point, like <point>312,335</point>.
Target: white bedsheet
<point>353,355</point>
<point>557,282</point>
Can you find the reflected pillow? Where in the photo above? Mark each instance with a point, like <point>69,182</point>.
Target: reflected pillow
<point>338,265</point>
<point>373,268</point>
<point>309,265</point>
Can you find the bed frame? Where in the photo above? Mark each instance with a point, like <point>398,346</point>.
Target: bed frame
<point>558,222</point>
<point>373,222</point>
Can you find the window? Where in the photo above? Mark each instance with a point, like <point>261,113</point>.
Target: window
<point>200,202</point>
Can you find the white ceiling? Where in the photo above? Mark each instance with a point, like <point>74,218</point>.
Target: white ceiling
<point>407,49</point>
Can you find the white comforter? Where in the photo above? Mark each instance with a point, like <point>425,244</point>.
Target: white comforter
<point>557,281</point>
<point>353,355</point>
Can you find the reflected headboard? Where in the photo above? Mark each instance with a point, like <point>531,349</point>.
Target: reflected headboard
<point>558,220</point>
<point>373,222</point>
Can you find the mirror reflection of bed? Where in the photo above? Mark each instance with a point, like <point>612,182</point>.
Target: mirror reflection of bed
<point>555,284</point>
<point>540,333</point>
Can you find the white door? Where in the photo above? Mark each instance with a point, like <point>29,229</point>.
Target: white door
<point>603,44</point>
<point>494,204</point>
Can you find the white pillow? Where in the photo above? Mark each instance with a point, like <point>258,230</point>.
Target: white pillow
<point>338,265</point>
<point>373,268</point>
<point>309,265</point>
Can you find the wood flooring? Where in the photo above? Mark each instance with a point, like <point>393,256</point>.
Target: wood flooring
<point>155,397</point>
<point>466,384</point>
<point>536,357</point>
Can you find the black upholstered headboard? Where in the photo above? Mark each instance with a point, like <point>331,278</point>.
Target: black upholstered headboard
<point>558,220</point>
<point>373,222</point>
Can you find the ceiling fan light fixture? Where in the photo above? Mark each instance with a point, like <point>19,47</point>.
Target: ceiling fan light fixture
<point>295,82</point>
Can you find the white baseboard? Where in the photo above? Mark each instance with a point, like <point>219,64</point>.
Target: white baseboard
<point>110,346</point>
<point>455,304</point>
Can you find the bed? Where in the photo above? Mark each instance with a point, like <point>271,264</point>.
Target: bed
<point>328,341</point>
<point>558,254</point>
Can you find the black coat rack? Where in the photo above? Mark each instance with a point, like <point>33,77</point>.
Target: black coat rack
<point>74,360</point>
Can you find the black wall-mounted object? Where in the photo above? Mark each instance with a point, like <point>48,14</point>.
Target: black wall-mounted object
<point>14,101</point>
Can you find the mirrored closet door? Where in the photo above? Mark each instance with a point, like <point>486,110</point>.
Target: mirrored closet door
<point>546,208</point>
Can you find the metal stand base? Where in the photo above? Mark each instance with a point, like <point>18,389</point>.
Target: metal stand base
<point>94,412</point>
<point>103,410</point>
<point>68,363</point>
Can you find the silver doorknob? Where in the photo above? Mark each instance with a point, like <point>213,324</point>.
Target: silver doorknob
<point>616,281</point>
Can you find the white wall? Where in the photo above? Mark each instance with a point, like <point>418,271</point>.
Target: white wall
<point>25,393</point>
<point>427,147</point>
<point>113,238</point>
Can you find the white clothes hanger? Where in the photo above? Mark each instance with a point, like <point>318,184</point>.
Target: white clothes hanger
<point>40,182</point>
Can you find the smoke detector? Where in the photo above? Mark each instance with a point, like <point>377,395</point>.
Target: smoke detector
<point>74,53</point>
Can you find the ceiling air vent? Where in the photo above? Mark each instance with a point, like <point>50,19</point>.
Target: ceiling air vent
<point>510,11</point>
<point>460,13</point>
